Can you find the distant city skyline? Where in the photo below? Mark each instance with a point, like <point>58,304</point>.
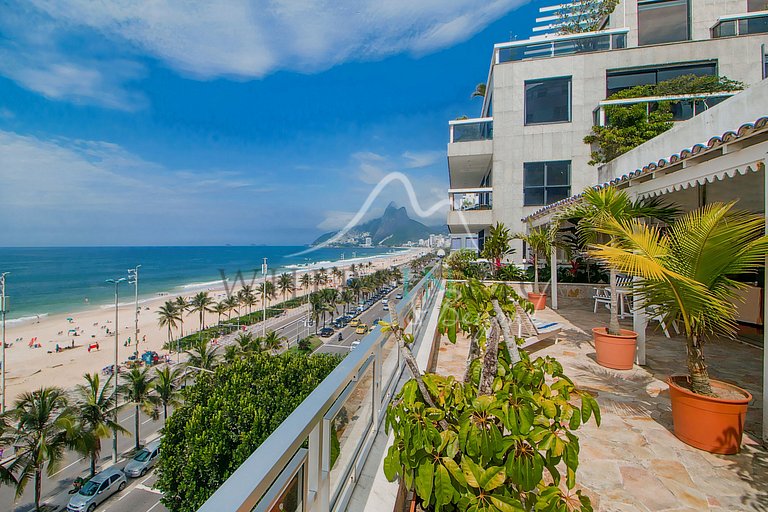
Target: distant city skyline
<point>239,123</point>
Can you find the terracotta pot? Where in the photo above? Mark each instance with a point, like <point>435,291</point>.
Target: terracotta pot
<point>615,351</point>
<point>705,422</point>
<point>539,300</point>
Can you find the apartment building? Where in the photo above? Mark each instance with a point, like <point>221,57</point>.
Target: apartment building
<point>544,95</point>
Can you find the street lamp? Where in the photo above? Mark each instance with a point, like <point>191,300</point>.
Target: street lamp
<point>115,373</point>
<point>3,309</point>
<point>264,300</point>
<point>133,276</point>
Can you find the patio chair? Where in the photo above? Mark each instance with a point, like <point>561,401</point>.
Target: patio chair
<point>532,330</point>
<point>602,296</point>
<point>655,315</point>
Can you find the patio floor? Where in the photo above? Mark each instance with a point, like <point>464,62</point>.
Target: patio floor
<point>633,462</point>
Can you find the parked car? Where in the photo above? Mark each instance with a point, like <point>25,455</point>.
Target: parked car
<point>386,308</point>
<point>354,323</point>
<point>144,460</point>
<point>385,301</point>
<point>326,332</point>
<point>97,489</point>
<point>361,329</point>
<point>399,296</point>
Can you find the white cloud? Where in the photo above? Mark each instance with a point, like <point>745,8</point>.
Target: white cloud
<point>420,159</point>
<point>335,220</point>
<point>241,39</point>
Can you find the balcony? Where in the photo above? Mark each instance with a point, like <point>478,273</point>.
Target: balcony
<point>684,106</point>
<point>587,42</point>
<point>741,25</point>
<point>471,209</point>
<point>470,151</point>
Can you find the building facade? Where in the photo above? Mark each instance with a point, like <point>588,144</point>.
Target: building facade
<point>545,94</point>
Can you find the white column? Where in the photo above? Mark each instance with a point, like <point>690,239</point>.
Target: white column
<point>639,324</point>
<point>553,267</point>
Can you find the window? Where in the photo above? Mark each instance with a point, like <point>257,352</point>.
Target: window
<point>662,21</point>
<point>618,80</point>
<point>546,182</point>
<point>757,5</point>
<point>548,101</point>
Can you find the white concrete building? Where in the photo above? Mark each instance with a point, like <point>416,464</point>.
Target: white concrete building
<point>545,94</point>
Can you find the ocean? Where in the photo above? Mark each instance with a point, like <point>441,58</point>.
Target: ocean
<point>53,280</point>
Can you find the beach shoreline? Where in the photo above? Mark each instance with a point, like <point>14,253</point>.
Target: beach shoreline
<point>30,368</point>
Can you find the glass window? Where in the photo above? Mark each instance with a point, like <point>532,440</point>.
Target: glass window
<point>662,21</point>
<point>757,5</point>
<point>548,100</point>
<point>546,182</point>
<point>624,79</point>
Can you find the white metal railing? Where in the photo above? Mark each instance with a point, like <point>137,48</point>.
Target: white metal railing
<point>465,130</point>
<point>741,24</point>
<point>313,460</point>
<point>543,48</point>
<point>684,106</point>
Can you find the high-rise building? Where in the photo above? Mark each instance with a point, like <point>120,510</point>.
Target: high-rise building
<point>545,94</point>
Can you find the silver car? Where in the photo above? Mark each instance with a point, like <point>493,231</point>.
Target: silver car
<point>144,460</point>
<point>96,490</point>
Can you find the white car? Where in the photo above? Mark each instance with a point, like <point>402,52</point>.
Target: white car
<point>354,345</point>
<point>385,301</point>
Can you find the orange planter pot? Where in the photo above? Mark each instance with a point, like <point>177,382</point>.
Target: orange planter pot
<point>615,351</point>
<point>539,300</point>
<point>705,422</point>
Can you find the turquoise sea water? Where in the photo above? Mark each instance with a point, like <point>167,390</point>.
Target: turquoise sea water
<point>66,279</point>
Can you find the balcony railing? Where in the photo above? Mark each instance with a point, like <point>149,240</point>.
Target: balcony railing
<point>741,24</point>
<point>586,42</point>
<point>466,130</point>
<point>313,460</point>
<point>464,200</point>
<point>684,106</point>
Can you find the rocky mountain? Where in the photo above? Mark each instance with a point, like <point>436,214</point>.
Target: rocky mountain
<point>394,227</point>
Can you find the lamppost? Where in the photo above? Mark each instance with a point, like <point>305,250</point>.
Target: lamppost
<point>264,300</point>
<point>133,276</point>
<point>116,372</point>
<point>3,309</point>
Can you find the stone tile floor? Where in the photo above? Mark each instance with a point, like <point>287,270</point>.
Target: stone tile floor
<point>633,462</point>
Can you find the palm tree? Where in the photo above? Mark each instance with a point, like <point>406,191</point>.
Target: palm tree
<point>331,299</point>
<point>347,296</point>
<point>232,304</point>
<point>601,207</point>
<point>94,408</point>
<point>539,240</point>
<point>285,283</point>
<point>246,298</point>
<point>168,316</point>
<point>686,271</point>
<point>220,308</point>
<point>137,386</point>
<point>182,306</point>
<point>200,304</point>
<point>306,281</point>
<point>337,274</point>
<point>272,341</point>
<point>356,286</point>
<point>41,426</point>
<point>497,245</point>
<point>203,355</point>
<point>164,386</point>
<point>267,291</point>
<point>317,307</point>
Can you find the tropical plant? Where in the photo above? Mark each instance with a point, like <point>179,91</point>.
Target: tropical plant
<point>267,291</point>
<point>539,241</point>
<point>232,304</point>
<point>285,284</point>
<point>220,308</point>
<point>479,91</point>
<point>584,15</point>
<point>41,426</point>
<point>272,341</point>
<point>498,441</point>
<point>202,355</point>
<point>246,298</point>
<point>462,264</point>
<point>628,126</point>
<point>234,410</point>
<point>95,410</point>
<point>165,387</point>
<point>687,271</point>
<point>182,306</point>
<point>497,245</point>
<point>137,387</point>
<point>201,303</point>
<point>601,207</point>
<point>347,297</point>
<point>306,281</point>
<point>167,316</point>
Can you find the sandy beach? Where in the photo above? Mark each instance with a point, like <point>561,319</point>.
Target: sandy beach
<point>32,360</point>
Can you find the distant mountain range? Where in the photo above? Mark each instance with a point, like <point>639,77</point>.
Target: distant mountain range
<point>394,227</point>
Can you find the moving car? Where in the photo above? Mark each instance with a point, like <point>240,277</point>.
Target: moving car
<point>386,308</point>
<point>399,296</point>
<point>354,345</point>
<point>326,332</point>
<point>144,460</point>
<point>361,329</point>
<point>385,301</point>
<point>96,490</point>
<point>354,323</point>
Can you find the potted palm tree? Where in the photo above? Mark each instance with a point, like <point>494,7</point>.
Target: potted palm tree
<point>686,272</point>
<point>539,240</point>
<point>615,347</point>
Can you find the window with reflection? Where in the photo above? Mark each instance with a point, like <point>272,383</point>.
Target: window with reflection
<point>662,21</point>
<point>757,5</point>
<point>546,182</point>
<point>620,79</point>
<point>548,100</point>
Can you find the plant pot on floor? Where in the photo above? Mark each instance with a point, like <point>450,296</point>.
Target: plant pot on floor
<point>615,351</point>
<point>709,423</point>
<point>539,300</point>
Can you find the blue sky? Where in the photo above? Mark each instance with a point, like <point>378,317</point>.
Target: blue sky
<point>203,123</point>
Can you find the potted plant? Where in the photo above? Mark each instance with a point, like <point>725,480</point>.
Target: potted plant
<point>686,275</point>
<point>615,347</point>
<point>497,246</point>
<point>539,240</point>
